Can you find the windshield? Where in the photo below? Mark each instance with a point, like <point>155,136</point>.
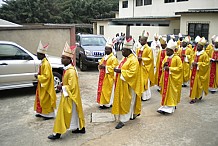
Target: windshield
<point>93,41</point>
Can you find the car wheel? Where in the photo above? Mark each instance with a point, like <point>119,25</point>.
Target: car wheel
<point>82,66</point>
<point>57,80</point>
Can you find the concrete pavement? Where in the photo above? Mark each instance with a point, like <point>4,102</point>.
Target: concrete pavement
<point>190,125</point>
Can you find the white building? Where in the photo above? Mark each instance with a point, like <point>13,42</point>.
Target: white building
<point>190,17</point>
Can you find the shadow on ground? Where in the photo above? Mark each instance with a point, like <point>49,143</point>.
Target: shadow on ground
<point>16,93</point>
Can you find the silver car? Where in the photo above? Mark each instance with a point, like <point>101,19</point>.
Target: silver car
<point>18,66</point>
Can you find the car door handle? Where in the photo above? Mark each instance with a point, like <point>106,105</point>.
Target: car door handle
<point>3,64</point>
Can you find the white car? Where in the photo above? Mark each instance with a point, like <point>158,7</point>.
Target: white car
<point>18,66</point>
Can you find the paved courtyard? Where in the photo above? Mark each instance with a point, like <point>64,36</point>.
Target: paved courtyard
<point>190,125</point>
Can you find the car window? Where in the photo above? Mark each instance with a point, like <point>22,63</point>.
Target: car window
<point>93,41</point>
<point>10,52</point>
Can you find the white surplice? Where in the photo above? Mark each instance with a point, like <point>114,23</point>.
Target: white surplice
<point>147,94</point>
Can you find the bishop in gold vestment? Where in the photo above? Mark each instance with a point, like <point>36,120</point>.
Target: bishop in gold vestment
<point>171,80</point>
<point>199,81</point>
<point>45,100</point>
<point>106,67</point>
<point>185,53</point>
<point>70,112</point>
<point>146,67</point>
<point>127,96</point>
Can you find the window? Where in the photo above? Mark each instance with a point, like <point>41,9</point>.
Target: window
<point>147,2</point>
<point>93,41</point>
<point>201,29</point>
<point>139,2</point>
<point>181,0</point>
<point>146,24</point>
<point>163,25</point>
<point>125,4</point>
<point>169,1</point>
<point>130,25</point>
<point>102,30</point>
<point>9,52</point>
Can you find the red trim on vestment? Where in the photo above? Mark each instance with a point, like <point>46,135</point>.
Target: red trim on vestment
<point>140,54</point>
<point>213,69</point>
<point>38,106</point>
<point>182,57</point>
<point>166,80</point>
<point>120,65</point>
<point>129,39</point>
<point>64,71</point>
<point>100,81</point>
<point>195,48</point>
<point>194,70</point>
<point>162,56</point>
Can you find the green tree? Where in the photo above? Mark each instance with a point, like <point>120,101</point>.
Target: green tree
<point>56,11</point>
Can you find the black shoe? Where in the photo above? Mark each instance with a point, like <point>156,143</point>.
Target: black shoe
<point>193,101</point>
<point>212,92</point>
<point>53,137</point>
<point>119,125</point>
<point>103,107</point>
<point>83,130</point>
<point>161,112</point>
<point>38,115</point>
<point>48,118</point>
<point>200,98</point>
<point>145,99</point>
<point>134,116</point>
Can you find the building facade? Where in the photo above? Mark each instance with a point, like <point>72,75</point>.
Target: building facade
<point>163,17</point>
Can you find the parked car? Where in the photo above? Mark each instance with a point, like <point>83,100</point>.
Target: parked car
<point>18,66</point>
<point>90,49</point>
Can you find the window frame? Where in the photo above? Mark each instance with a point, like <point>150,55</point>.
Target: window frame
<point>202,32</point>
<point>125,4</point>
<point>101,29</point>
<point>137,4</point>
<point>169,1</point>
<point>149,2</point>
<point>182,0</point>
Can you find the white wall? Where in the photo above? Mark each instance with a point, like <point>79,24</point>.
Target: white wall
<point>126,12</point>
<point>101,23</point>
<point>211,18</point>
<point>110,31</point>
<point>136,31</point>
<point>159,8</point>
<point>174,24</point>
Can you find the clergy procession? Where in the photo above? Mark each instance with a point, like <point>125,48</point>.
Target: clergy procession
<point>167,65</point>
